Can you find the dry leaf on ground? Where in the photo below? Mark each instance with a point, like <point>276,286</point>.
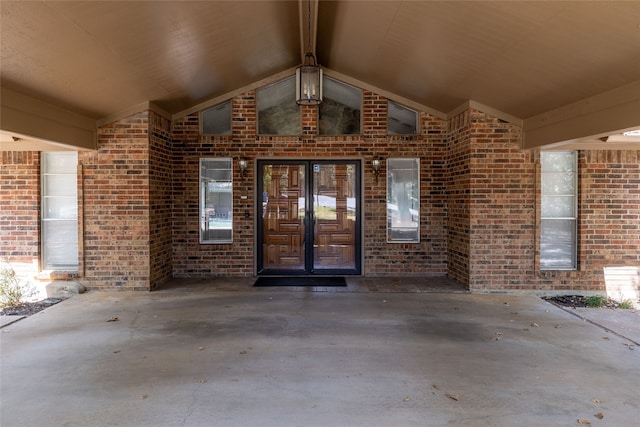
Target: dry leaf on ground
<point>599,415</point>
<point>453,397</point>
<point>583,422</point>
<point>113,319</point>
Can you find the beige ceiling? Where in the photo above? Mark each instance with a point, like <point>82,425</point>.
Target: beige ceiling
<point>547,64</point>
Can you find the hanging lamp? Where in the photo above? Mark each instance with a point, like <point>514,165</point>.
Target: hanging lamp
<point>309,74</point>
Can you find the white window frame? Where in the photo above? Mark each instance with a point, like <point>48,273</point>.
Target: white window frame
<point>59,211</point>
<point>399,230</point>
<point>549,239</point>
<point>216,222</point>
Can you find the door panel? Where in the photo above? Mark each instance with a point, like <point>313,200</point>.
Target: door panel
<point>317,234</point>
<point>283,230</point>
<point>335,216</point>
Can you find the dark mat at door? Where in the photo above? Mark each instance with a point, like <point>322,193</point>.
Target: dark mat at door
<point>300,281</point>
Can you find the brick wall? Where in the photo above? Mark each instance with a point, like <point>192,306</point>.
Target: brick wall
<point>502,206</point>
<point>196,260</point>
<point>458,198</point>
<point>479,202</point>
<point>610,208</point>
<point>190,258</point>
<point>160,199</point>
<point>494,203</point>
<point>116,206</point>
<point>20,210</point>
<point>608,226</point>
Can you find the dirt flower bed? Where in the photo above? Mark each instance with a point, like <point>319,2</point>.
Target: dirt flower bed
<point>29,308</point>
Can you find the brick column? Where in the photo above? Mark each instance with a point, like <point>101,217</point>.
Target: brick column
<point>491,212</point>
<point>459,200</point>
<point>117,206</point>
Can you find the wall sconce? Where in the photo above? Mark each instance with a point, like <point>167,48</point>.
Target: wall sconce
<point>242,164</point>
<point>376,164</point>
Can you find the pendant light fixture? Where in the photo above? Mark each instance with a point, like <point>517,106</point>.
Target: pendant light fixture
<point>309,74</point>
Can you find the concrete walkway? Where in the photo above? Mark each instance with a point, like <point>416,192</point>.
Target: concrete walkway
<point>208,357</point>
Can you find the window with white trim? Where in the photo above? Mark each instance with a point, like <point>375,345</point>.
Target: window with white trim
<point>559,210</point>
<point>60,210</point>
<point>216,200</point>
<point>403,200</point>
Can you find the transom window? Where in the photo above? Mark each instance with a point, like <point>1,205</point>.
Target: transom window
<point>217,120</point>
<point>401,120</point>
<point>341,108</point>
<point>278,112</point>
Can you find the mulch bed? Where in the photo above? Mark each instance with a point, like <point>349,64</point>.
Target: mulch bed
<point>576,301</point>
<point>29,308</point>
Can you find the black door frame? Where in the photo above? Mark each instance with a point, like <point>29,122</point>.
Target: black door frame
<point>308,220</point>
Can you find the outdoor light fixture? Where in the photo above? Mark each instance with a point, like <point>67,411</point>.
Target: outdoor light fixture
<point>309,81</point>
<point>242,164</point>
<point>309,74</point>
<point>376,165</point>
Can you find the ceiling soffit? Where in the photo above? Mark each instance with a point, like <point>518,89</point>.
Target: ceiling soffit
<point>100,58</point>
<point>523,58</point>
<point>533,62</point>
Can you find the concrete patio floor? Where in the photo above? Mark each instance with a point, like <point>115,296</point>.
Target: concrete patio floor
<point>193,354</point>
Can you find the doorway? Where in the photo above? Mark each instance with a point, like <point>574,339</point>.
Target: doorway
<point>309,218</point>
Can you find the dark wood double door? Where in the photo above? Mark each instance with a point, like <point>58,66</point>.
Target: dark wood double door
<point>309,218</point>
